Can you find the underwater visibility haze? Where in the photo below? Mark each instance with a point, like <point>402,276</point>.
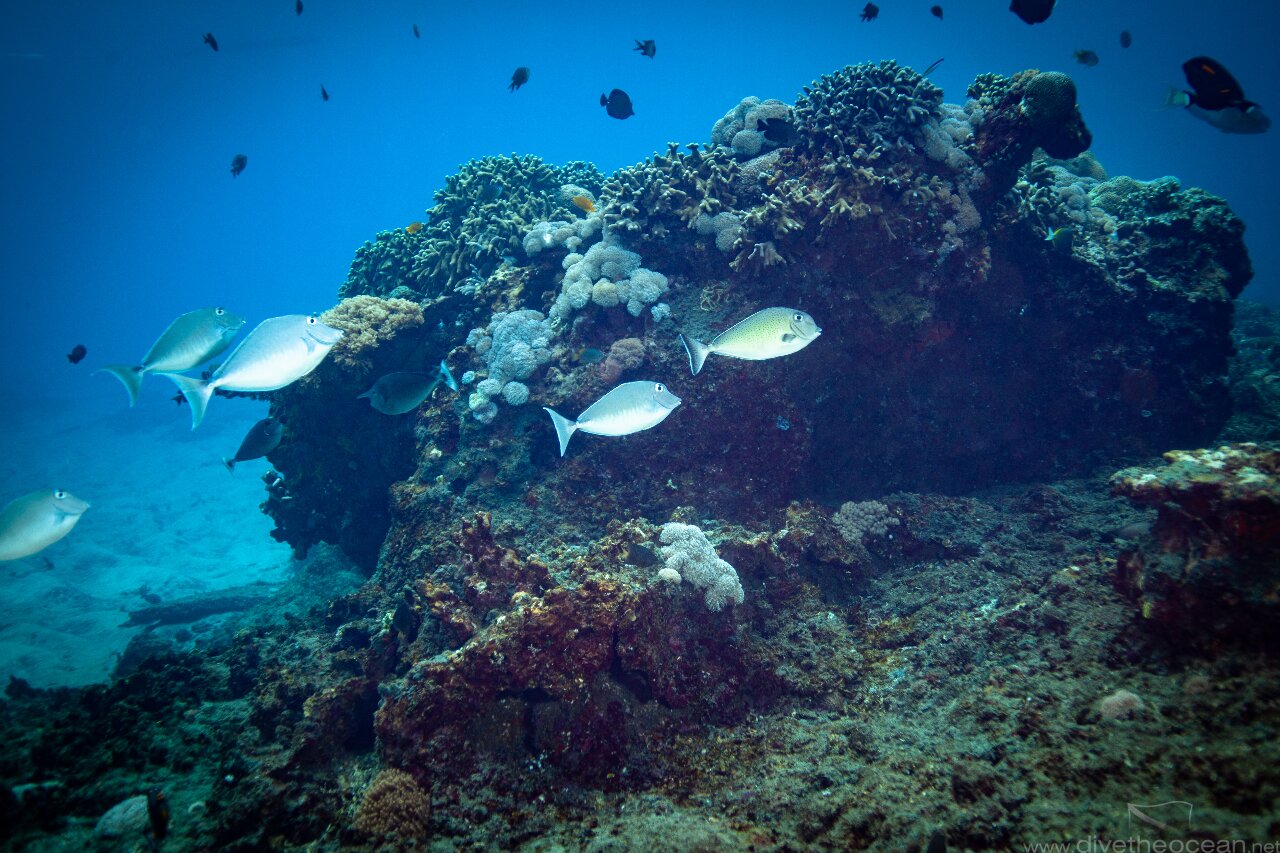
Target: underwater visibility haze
<point>816,426</point>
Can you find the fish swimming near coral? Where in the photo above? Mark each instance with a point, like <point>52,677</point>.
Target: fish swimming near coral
<point>869,12</point>
<point>584,203</point>
<point>768,333</point>
<point>617,104</point>
<point>33,522</point>
<point>238,163</point>
<point>646,47</point>
<point>1032,11</point>
<point>262,438</point>
<point>518,78</point>
<point>413,227</point>
<point>629,408</point>
<point>1062,238</point>
<point>779,131</point>
<point>1217,98</point>
<point>404,391</point>
<point>279,352</point>
<point>932,66</point>
<point>192,339</point>
<point>324,93</point>
<point>1126,38</point>
<point>211,41</point>
<point>1086,57</point>
<point>936,11</point>
<point>77,354</point>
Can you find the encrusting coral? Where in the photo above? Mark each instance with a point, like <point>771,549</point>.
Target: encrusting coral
<point>368,322</point>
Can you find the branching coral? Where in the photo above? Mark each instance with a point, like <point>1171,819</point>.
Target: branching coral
<point>368,322</point>
<point>669,187</point>
<point>866,106</point>
<point>394,808</point>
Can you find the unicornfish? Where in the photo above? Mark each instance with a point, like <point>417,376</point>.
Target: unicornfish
<point>192,339</point>
<point>262,438</point>
<point>33,522</point>
<point>279,352</point>
<point>404,391</point>
<point>630,407</point>
<point>769,333</point>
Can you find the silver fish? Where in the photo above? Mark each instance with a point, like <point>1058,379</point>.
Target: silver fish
<point>279,352</point>
<point>192,339</point>
<point>262,438</point>
<point>33,522</point>
<point>631,407</point>
<point>769,333</point>
<point>404,391</point>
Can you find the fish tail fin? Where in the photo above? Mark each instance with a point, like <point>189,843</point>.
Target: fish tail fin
<point>198,393</point>
<point>1175,97</point>
<point>130,377</point>
<point>565,428</point>
<point>698,352</point>
<point>447,376</point>
<point>230,463</point>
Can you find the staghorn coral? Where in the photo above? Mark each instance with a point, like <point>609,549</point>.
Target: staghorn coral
<point>383,266</point>
<point>669,189</point>
<point>394,808</point>
<point>368,322</point>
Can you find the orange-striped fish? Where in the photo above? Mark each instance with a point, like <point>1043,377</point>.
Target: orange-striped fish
<point>584,202</point>
<point>413,227</point>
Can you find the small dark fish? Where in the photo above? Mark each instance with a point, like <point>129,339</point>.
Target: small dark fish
<point>416,32</point>
<point>936,11</point>
<point>211,41</point>
<point>238,163</point>
<point>779,131</point>
<point>646,47</point>
<point>178,398</point>
<point>519,78</point>
<point>262,438</point>
<point>590,355</point>
<point>297,7</point>
<point>1032,11</point>
<point>932,67</point>
<point>869,12</point>
<point>157,802</point>
<point>324,93</point>
<point>1086,57</point>
<point>1126,38</point>
<point>78,352</point>
<point>617,104</point>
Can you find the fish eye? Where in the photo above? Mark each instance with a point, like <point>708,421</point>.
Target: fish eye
<point>311,321</point>
<point>659,387</point>
<point>59,494</point>
<point>797,316</point>
<point>219,311</point>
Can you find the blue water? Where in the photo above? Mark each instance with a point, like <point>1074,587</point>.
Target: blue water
<point>119,212</point>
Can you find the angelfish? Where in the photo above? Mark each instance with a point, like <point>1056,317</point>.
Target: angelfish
<point>192,339</point>
<point>630,407</point>
<point>397,393</point>
<point>33,522</point>
<point>768,333</point>
<point>279,352</point>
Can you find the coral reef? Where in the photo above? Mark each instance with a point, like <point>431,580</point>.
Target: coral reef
<point>1210,562</point>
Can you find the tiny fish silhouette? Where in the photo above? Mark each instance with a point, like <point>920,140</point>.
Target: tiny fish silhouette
<point>238,163</point>
<point>1126,38</point>
<point>518,78</point>
<point>1032,11</point>
<point>77,354</point>
<point>936,11</point>
<point>1086,57</point>
<point>416,32</point>
<point>297,7</point>
<point>646,47</point>
<point>617,104</point>
<point>211,41</point>
<point>869,12</point>
<point>324,93</point>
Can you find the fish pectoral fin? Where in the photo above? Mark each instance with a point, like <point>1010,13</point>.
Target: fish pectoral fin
<point>310,344</point>
<point>787,337</point>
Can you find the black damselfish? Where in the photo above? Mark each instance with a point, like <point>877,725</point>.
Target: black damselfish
<point>617,104</point>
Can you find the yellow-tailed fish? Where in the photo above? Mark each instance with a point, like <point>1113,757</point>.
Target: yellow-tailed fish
<point>769,333</point>
<point>279,352</point>
<point>192,339</point>
<point>630,407</point>
<point>33,522</point>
